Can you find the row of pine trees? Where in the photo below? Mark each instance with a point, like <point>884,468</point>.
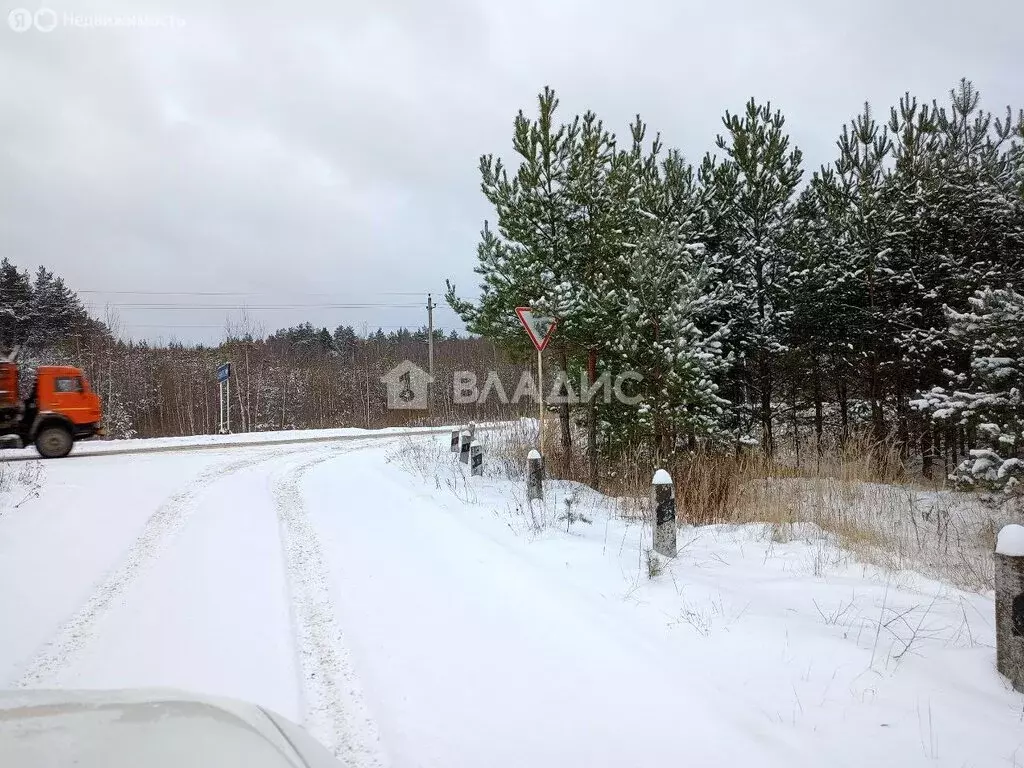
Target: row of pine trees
<point>762,301</point>
<point>38,308</point>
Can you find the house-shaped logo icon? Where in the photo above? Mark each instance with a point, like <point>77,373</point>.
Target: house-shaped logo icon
<point>407,387</point>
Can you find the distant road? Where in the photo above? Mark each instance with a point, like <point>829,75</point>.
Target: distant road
<point>219,442</point>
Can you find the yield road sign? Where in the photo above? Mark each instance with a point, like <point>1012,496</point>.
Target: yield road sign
<point>538,327</point>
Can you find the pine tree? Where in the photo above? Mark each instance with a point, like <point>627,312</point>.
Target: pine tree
<point>1016,152</point>
<point>528,262</point>
<point>668,304</point>
<point>755,191</point>
<point>55,311</point>
<point>15,306</point>
<point>952,189</point>
<point>864,219</point>
<point>345,341</point>
<point>820,333</point>
<point>989,399</point>
<point>552,241</point>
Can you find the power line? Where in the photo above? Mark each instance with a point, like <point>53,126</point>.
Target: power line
<point>148,292</point>
<point>168,305</point>
<point>244,293</point>
<point>169,325</point>
<point>220,326</point>
<point>193,307</point>
<point>225,294</point>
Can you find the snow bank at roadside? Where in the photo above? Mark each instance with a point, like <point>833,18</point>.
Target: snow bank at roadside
<point>862,665</point>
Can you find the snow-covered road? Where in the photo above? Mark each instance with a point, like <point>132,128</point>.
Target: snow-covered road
<point>405,621</point>
<point>194,570</point>
<point>496,663</point>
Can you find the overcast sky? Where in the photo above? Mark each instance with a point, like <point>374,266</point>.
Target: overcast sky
<point>326,152</point>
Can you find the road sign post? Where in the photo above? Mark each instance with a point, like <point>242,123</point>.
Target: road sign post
<point>540,397</point>
<point>539,328</point>
<point>224,386</point>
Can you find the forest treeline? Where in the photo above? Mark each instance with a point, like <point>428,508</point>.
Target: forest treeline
<point>302,377</point>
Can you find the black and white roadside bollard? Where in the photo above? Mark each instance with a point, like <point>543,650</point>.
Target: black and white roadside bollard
<point>455,441</point>
<point>534,475</point>
<point>476,459</point>
<point>1010,604</point>
<point>464,441</point>
<point>663,502</point>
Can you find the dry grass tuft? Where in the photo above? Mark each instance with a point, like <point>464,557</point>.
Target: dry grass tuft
<point>19,483</point>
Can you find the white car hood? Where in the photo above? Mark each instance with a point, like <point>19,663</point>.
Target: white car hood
<point>156,728</point>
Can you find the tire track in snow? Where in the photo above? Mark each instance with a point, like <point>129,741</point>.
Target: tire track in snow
<point>335,709</point>
<point>67,644</point>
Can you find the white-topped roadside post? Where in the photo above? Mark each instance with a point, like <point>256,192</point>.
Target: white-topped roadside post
<point>455,441</point>
<point>476,459</point>
<point>663,503</point>
<point>464,441</point>
<point>534,475</point>
<point>1010,604</point>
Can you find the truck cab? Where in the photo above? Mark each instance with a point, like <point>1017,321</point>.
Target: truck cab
<point>59,409</point>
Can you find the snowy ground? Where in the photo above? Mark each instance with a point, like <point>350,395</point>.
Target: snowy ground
<point>411,616</point>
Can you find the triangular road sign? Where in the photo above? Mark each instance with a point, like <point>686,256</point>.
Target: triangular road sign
<point>538,327</point>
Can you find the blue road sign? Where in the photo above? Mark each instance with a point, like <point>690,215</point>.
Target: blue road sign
<point>223,372</point>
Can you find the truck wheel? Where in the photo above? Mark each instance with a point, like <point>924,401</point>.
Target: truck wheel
<point>54,442</point>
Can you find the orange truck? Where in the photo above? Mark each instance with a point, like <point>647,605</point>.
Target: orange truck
<point>59,409</point>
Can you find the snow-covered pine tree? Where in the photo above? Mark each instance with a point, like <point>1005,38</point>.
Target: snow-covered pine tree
<point>346,342</point>
<point>668,303</point>
<point>56,311</point>
<point>989,400</point>
<point>595,240</point>
<point>756,185</point>
<point>864,218</point>
<point>15,306</point>
<point>588,308</point>
<point>555,244</point>
<point>820,332</point>
<point>952,185</point>
<point>1016,153</point>
<point>718,186</point>
<point>528,261</point>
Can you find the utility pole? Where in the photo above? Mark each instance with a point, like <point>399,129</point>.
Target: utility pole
<point>366,362</point>
<point>430,349</point>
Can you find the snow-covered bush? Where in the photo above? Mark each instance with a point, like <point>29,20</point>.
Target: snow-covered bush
<point>988,399</point>
<point>987,470</point>
<point>116,419</point>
